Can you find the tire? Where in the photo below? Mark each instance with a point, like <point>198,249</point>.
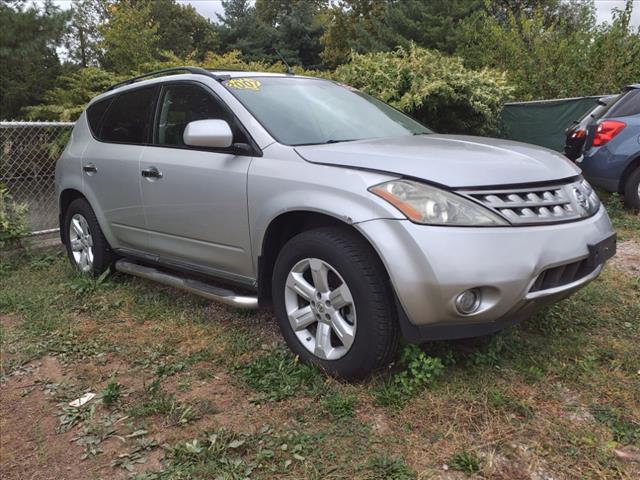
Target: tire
<point>365,310</point>
<point>88,254</point>
<point>632,190</point>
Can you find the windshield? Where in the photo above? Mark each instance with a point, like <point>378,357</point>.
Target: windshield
<point>306,111</point>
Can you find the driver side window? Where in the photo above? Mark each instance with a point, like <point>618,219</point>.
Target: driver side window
<point>182,104</point>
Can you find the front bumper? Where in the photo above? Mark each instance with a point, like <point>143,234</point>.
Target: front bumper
<point>430,266</point>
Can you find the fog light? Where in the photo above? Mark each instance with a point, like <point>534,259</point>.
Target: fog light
<point>468,301</point>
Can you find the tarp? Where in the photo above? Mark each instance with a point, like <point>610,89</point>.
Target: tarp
<point>543,122</point>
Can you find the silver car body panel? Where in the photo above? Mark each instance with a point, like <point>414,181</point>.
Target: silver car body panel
<point>210,211</point>
<point>451,160</point>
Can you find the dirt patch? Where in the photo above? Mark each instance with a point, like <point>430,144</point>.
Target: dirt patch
<point>10,321</point>
<point>627,257</point>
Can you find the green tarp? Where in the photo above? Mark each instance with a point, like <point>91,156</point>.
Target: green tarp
<point>544,122</point>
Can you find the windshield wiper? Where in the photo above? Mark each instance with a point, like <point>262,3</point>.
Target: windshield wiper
<point>327,142</point>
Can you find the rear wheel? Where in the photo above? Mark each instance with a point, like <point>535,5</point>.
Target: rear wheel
<point>632,190</point>
<point>334,303</point>
<point>87,248</point>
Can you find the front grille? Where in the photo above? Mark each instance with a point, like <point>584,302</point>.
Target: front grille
<point>563,275</point>
<point>543,204</point>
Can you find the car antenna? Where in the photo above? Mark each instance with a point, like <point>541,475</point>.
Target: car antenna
<point>289,69</point>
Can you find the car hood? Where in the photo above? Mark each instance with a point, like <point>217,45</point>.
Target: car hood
<point>451,160</point>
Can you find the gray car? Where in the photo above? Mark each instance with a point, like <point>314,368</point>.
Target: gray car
<point>357,224</point>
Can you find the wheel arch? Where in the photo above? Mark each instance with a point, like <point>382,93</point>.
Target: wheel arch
<point>626,173</point>
<point>284,227</point>
<point>67,196</point>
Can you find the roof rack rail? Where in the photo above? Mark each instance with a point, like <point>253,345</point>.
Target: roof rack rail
<point>169,71</point>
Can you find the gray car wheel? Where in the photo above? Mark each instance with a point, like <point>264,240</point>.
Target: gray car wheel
<point>334,302</point>
<point>87,248</point>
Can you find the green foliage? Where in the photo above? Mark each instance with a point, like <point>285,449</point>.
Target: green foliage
<point>387,468</point>
<point>554,56</point>
<point>625,430</point>
<point>418,370</point>
<point>130,37</point>
<point>339,406</point>
<point>13,218</point>
<point>28,59</point>
<point>182,30</point>
<point>465,462</point>
<point>66,101</point>
<point>433,88</point>
<point>279,375</point>
<point>111,393</point>
<point>87,284</point>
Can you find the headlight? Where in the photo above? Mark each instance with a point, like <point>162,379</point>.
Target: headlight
<point>423,203</point>
<point>593,202</point>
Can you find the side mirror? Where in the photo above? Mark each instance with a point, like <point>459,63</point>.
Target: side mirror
<point>208,133</point>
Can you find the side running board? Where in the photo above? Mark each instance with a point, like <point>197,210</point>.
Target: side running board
<point>197,287</point>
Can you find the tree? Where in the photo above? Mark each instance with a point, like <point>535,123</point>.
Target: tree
<point>349,20</point>
<point>182,30</point>
<point>28,59</point>
<point>553,57</point>
<point>130,36</point>
<point>241,29</point>
<point>82,39</point>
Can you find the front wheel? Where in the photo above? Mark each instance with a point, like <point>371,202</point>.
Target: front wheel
<point>334,303</point>
<point>87,248</point>
<point>632,190</point>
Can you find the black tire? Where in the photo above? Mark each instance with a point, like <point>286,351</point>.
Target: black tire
<point>631,193</point>
<point>103,256</point>
<point>377,334</point>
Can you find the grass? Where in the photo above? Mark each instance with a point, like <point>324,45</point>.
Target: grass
<point>214,394</point>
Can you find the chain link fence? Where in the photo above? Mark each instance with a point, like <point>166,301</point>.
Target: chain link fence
<point>28,155</point>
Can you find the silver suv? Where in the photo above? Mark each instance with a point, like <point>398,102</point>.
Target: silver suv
<point>356,223</point>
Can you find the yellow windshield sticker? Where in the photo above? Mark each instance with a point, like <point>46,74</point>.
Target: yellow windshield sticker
<point>244,84</point>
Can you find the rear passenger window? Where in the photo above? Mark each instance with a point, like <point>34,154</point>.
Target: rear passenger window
<point>627,104</point>
<point>129,118</point>
<point>95,113</point>
<point>182,104</point>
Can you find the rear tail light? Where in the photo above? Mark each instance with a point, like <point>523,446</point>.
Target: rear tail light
<point>579,134</point>
<point>606,131</point>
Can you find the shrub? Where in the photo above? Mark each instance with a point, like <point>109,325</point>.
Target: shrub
<point>431,87</point>
<point>13,218</point>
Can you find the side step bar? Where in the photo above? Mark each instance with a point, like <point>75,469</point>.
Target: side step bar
<point>197,287</point>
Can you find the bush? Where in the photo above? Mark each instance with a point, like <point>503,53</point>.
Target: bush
<point>13,221</point>
<point>431,87</point>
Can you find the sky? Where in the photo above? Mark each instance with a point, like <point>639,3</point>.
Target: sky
<point>209,8</point>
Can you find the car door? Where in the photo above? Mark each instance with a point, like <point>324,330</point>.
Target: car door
<point>195,199</point>
<point>122,126</point>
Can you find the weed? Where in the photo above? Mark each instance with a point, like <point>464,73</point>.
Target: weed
<point>339,406</point>
<point>154,401</point>
<point>465,462</point>
<point>386,468</point>
<point>181,414</point>
<point>69,417</point>
<point>86,284</point>
<point>111,393</point>
<point>279,375</point>
<point>624,430</point>
<point>418,371</point>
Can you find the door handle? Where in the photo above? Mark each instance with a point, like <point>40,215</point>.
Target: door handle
<point>151,172</point>
<point>90,168</point>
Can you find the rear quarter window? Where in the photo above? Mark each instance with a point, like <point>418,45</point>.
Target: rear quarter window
<point>95,113</point>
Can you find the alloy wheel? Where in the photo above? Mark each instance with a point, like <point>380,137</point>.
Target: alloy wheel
<point>320,308</point>
<point>81,242</point>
